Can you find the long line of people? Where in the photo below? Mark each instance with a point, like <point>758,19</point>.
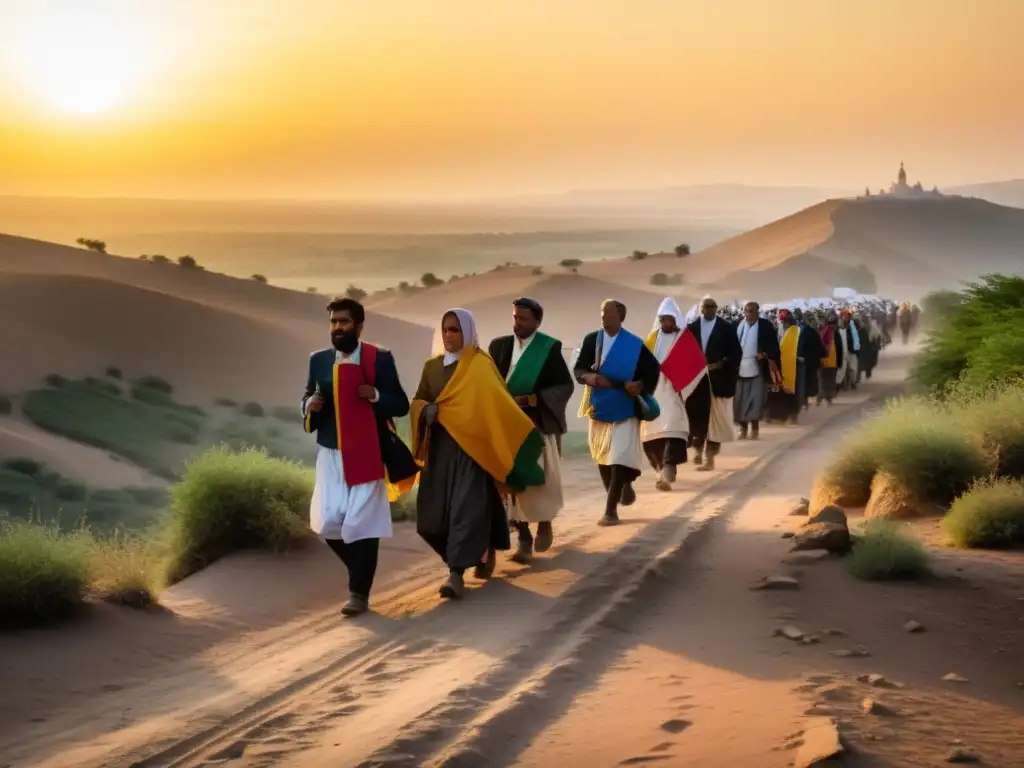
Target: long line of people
<point>486,426</point>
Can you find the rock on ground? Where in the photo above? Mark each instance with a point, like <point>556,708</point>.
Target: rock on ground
<point>831,537</point>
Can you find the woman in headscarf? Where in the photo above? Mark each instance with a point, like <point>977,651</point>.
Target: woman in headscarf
<point>833,358</point>
<point>473,441</point>
<point>664,439</point>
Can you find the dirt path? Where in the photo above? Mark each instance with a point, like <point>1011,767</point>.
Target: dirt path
<point>488,681</point>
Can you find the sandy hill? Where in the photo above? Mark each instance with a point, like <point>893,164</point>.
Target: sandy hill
<point>571,301</point>
<point>75,313</point>
<point>910,246</point>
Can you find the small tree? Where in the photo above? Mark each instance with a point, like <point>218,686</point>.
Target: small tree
<point>159,258</point>
<point>404,286</point>
<point>683,249</point>
<point>187,262</point>
<point>260,278</point>
<point>537,271</point>
<point>570,263</point>
<point>144,257</point>
<point>430,280</point>
<point>638,255</point>
<point>659,278</point>
<point>311,289</point>
<point>355,293</point>
<point>93,245</point>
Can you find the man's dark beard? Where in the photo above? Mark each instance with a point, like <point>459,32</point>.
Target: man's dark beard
<point>345,341</point>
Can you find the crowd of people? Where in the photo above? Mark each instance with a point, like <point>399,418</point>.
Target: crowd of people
<point>487,422</point>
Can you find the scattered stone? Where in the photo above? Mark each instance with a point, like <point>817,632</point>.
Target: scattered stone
<point>818,710</point>
<point>913,626</point>
<point>858,651</point>
<point>830,514</point>
<point>953,677</point>
<point>777,582</point>
<point>821,743</point>
<point>831,537</point>
<point>961,755</point>
<point>874,707</point>
<point>801,508</point>
<point>810,639</point>
<point>835,632</point>
<point>873,679</point>
<point>789,632</point>
<point>788,535</point>
<point>835,692</point>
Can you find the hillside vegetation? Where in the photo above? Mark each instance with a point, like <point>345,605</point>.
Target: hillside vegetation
<point>957,448</point>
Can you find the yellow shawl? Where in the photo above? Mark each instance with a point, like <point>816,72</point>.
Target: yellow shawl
<point>481,416</point>
<point>788,347</point>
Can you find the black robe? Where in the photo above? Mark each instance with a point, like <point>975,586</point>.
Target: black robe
<point>459,510</point>
<point>553,388</point>
<point>810,348</point>
<point>723,347</point>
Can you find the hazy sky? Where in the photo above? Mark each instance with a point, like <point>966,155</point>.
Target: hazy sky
<point>420,98</point>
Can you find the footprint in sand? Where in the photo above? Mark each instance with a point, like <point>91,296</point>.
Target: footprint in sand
<point>641,759</point>
<point>684,697</point>
<point>675,726</point>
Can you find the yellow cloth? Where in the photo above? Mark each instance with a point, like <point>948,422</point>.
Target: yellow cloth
<point>830,360</point>
<point>651,341</point>
<point>480,415</point>
<point>788,347</point>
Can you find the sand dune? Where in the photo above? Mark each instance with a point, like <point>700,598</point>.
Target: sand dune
<point>70,311</point>
<point>911,247</point>
<point>571,302</point>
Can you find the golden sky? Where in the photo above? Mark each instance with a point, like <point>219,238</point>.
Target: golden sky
<point>437,98</point>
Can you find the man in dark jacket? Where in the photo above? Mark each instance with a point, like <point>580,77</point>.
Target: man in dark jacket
<point>709,406</point>
<point>352,397</point>
<point>538,378</point>
<point>759,348</point>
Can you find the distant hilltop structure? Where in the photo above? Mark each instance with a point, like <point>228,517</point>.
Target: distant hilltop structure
<point>900,188</point>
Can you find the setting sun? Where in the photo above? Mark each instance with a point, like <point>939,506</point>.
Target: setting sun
<point>81,59</point>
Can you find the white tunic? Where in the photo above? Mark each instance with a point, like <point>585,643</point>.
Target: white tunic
<point>749,367</point>
<point>342,511</point>
<point>672,422</point>
<point>541,503</point>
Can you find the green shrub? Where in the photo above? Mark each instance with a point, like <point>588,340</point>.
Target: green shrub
<point>990,515</point>
<point>244,432</point>
<point>43,574</point>
<point>885,551</point>
<point>24,466</point>
<point>69,490</point>
<point>917,443</point>
<point>404,508</point>
<point>253,409</point>
<point>975,335</point>
<point>994,417</point>
<point>114,372</point>
<point>229,501</point>
<point>155,383</point>
<point>124,569</point>
<point>136,430</point>
<point>55,380</point>
<point>102,385</point>
<point>225,402</point>
<point>6,406</point>
<point>18,491</point>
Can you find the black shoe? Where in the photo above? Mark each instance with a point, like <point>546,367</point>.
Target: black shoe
<point>545,537</point>
<point>486,569</point>
<point>454,588</point>
<point>356,605</point>
<point>668,473</point>
<point>628,495</point>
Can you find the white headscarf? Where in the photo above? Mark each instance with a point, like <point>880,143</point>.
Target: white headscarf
<point>469,337</point>
<point>663,344</point>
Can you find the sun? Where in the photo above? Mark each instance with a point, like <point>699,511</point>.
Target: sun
<point>81,58</point>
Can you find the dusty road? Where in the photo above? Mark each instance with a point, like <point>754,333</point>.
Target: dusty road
<point>527,669</point>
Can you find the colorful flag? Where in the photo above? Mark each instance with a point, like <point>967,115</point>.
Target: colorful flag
<point>685,365</point>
